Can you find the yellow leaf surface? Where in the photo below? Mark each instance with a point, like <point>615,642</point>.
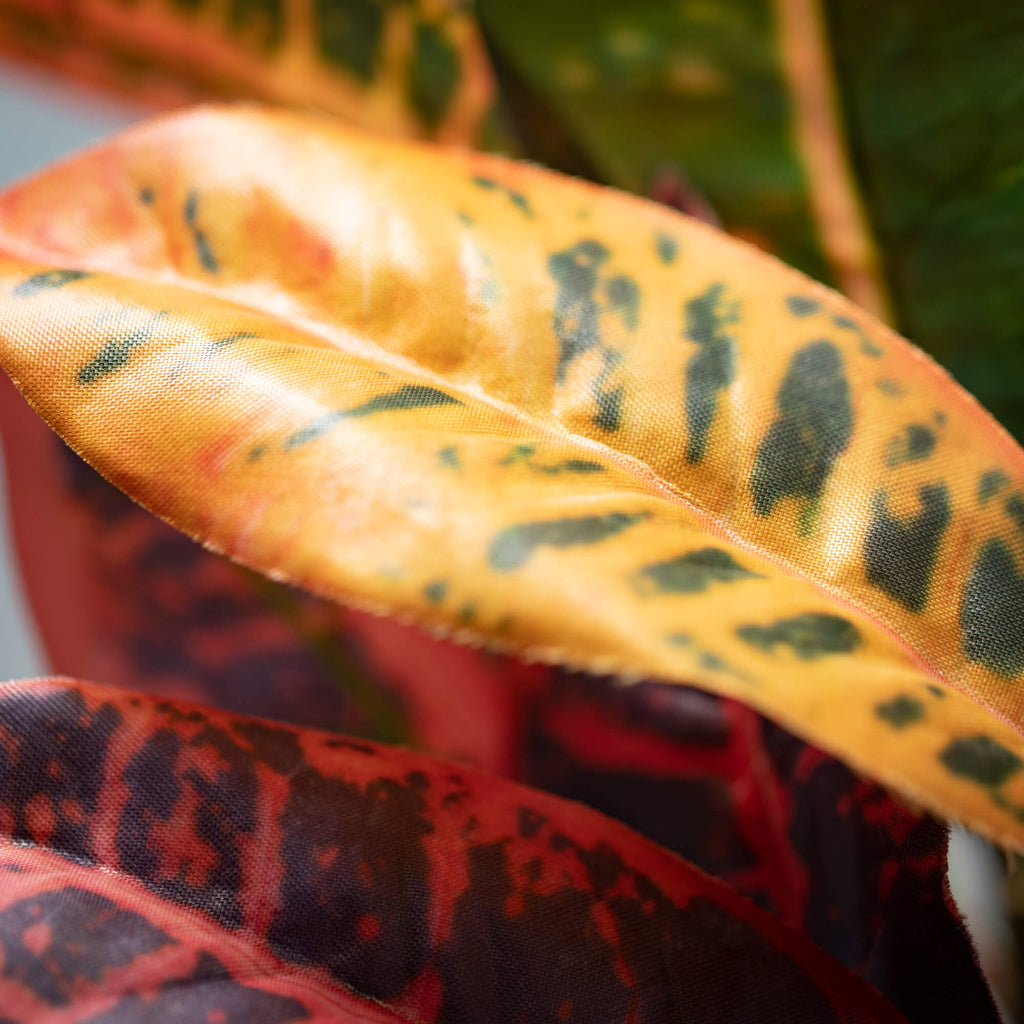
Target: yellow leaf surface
<point>538,414</point>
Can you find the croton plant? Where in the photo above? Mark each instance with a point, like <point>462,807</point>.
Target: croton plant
<point>506,599</point>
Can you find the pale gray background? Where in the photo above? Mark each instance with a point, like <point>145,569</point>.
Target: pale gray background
<point>39,122</point>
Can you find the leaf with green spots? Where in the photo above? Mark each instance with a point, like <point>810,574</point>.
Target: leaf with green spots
<point>874,149</point>
<point>693,572</point>
<point>807,636</point>
<point>511,548</point>
<point>407,68</point>
<point>337,408</point>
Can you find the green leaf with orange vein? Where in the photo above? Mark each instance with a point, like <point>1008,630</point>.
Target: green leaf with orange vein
<point>421,382</point>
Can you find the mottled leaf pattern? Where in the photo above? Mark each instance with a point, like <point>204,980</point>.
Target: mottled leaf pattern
<point>798,832</point>
<point>871,146</point>
<point>408,68</point>
<point>145,608</point>
<point>162,861</point>
<point>704,776</point>
<point>690,103</point>
<point>360,438</point>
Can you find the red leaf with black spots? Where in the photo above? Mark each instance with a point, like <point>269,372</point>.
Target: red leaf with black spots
<point>260,871</point>
<point>841,860</point>
<point>835,856</point>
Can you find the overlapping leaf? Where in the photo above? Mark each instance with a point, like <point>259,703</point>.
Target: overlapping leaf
<point>143,607</point>
<point>399,67</point>
<point>832,856</point>
<point>162,860</point>
<point>870,144</point>
<point>540,414</point>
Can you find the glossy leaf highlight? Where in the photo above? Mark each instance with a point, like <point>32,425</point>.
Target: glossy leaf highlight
<point>424,382</point>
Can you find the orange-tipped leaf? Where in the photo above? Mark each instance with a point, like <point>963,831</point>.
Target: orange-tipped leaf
<point>538,414</point>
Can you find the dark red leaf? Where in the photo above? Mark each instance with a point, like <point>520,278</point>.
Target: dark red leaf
<point>440,893</point>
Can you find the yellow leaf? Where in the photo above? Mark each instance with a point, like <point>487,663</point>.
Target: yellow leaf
<point>541,415</point>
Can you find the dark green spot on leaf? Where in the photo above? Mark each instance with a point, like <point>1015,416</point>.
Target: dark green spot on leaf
<point>203,251</point>
<point>667,246</point>
<point>990,613</point>
<point>812,635</point>
<point>47,280</point>
<point>116,353</point>
<point>575,319</point>
<point>867,346</point>
<point>712,369</point>
<point>899,554</point>
<point>916,442</point>
<point>624,295</point>
<point>814,427</point>
<point>1014,506</point>
<point>800,305</point>
<point>449,456</point>
<point>692,573</point>
<point>512,547</point>
<point>901,711</point>
<point>230,339</point>
<point>433,73</point>
<point>516,198</point>
<point>349,34</point>
<point>408,396</point>
<point>981,759</point>
<point>990,484</point>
